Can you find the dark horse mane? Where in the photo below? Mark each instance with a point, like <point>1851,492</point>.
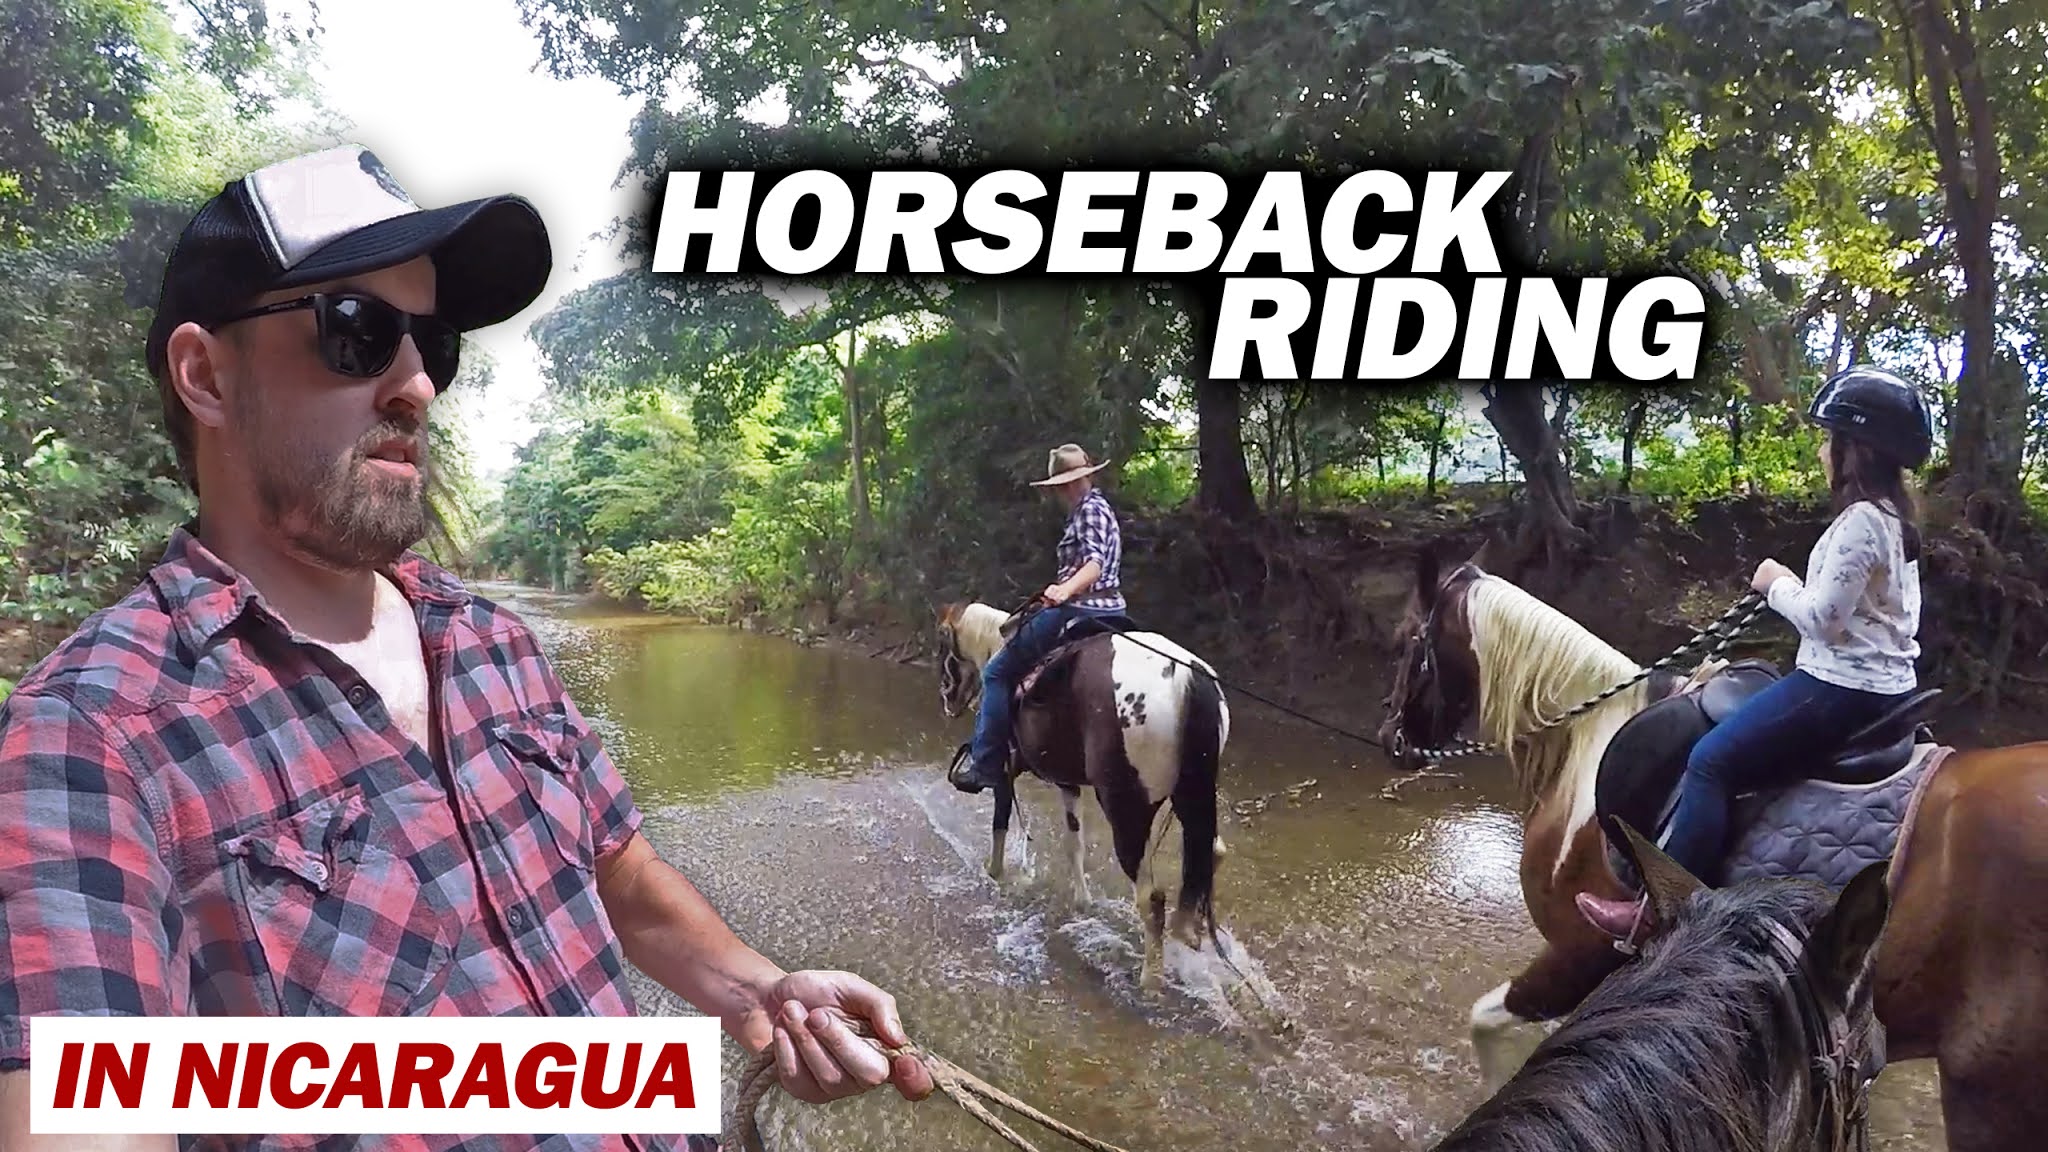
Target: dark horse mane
<point>1680,1051</point>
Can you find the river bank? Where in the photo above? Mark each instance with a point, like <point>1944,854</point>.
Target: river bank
<point>1303,609</point>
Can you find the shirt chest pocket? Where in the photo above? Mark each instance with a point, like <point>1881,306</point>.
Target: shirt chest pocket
<point>545,804</point>
<point>332,922</point>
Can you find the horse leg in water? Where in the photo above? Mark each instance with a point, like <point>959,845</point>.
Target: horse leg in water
<point>1077,842</point>
<point>1131,816</point>
<point>1006,799</point>
<point>1550,987</point>
<point>1203,729</point>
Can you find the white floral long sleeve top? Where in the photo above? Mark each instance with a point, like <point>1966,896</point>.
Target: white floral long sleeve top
<point>1858,611</point>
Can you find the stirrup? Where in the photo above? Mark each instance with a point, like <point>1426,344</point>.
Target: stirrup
<point>959,758</point>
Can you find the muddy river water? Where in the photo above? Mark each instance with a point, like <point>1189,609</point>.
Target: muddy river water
<point>801,789</point>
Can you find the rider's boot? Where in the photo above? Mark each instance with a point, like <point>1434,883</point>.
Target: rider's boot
<point>971,776</point>
<point>1627,921</point>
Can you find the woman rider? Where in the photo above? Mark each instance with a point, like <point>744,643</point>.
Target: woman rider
<point>1090,561</point>
<point>1857,614</point>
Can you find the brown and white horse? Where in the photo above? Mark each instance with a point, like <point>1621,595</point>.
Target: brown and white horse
<point>1962,971</point>
<point>1137,718</point>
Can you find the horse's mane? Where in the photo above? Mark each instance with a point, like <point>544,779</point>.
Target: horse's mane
<point>1682,1051</point>
<point>1535,662</point>
<point>977,630</point>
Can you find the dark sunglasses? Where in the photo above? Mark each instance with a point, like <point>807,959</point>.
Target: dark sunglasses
<point>359,335</point>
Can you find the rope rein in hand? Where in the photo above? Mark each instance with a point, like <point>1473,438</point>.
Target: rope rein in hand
<point>758,1079</point>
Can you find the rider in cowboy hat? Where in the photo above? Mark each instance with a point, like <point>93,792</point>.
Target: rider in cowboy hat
<point>1089,584</point>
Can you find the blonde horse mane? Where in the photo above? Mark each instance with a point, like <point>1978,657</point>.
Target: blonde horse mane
<point>977,631</point>
<point>1535,663</point>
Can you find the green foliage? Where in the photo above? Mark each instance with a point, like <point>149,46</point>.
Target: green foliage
<point>687,577</point>
<point>88,488</point>
<point>1159,476</point>
<point>114,128</point>
<point>76,73</point>
<point>761,537</point>
<point>724,449</point>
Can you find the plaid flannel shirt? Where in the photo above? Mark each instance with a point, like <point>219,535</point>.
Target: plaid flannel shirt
<point>204,813</point>
<point>1092,534</point>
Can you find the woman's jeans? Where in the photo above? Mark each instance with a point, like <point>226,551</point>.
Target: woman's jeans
<point>1033,640</point>
<point>1780,736</point>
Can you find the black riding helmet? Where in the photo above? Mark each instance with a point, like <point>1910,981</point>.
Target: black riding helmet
<point>1878,408</point>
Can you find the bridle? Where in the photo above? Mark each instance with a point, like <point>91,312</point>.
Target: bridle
<point>953,674</point>
<point>952,665</point>
<point>1840,1085</point>
<point>1731,625</point>
<point>1427,670</point>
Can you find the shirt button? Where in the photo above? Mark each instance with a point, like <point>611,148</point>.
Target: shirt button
<point>518,918</point>
<point>319,871</point>
<point>357,693</point>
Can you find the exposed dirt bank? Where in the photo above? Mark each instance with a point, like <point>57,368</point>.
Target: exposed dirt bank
<point>1304,610</point>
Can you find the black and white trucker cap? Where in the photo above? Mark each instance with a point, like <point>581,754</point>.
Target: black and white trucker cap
<point>339,213</point>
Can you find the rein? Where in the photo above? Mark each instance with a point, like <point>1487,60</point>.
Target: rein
<point>1036,604</point>
<point>758,1079</point>
<point>1840,1086</point>
<point>1748,608</point>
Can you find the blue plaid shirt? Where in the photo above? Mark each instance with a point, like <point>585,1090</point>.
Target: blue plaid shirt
<point>1092,534</point>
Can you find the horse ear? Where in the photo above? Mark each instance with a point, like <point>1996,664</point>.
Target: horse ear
<point>1666,881</point>
<point>1484,557</point>
<point>1426,576</point>
<point>1845,937</point>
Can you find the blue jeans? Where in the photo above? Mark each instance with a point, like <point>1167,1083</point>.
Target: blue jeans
<point>1776,738</point>
<point>1038,636</point>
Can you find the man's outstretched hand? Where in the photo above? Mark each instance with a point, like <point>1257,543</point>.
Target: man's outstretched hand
<point>818,1058</point>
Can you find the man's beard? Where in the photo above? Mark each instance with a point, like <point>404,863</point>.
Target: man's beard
<point>339,512</point>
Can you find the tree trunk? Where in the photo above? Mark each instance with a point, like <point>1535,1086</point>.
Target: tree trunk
<point>1735,485</point>
<point>1294,456</point>
<point>856,470</point>
<point>1987,439</point>
<point>1436,443</point>
<point>1560,425</point>
<point>1271,452</point>
<point>1631,431</point>
<point>1224,485</point>
<point>1516,409</point>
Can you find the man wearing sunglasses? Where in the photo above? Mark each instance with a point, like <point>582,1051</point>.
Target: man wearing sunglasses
<point>300,770</point>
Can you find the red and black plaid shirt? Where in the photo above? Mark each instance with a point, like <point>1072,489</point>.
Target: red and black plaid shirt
<point>203,813</point>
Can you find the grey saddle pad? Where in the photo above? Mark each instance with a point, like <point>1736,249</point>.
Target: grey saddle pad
<point>1819,831</point>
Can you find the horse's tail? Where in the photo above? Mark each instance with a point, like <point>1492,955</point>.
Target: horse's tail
<point>1194,795</point>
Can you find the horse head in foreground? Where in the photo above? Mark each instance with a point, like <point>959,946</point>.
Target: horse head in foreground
<point>1131,715</point>
<point>1745,1026</point>
<point>1967,831</point>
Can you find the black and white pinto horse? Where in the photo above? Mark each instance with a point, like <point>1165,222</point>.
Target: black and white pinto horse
<point>1132,715</point>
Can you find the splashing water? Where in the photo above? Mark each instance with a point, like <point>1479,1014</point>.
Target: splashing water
<point>802,791</point>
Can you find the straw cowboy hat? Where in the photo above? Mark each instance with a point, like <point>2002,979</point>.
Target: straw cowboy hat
<point>1067,462</point>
